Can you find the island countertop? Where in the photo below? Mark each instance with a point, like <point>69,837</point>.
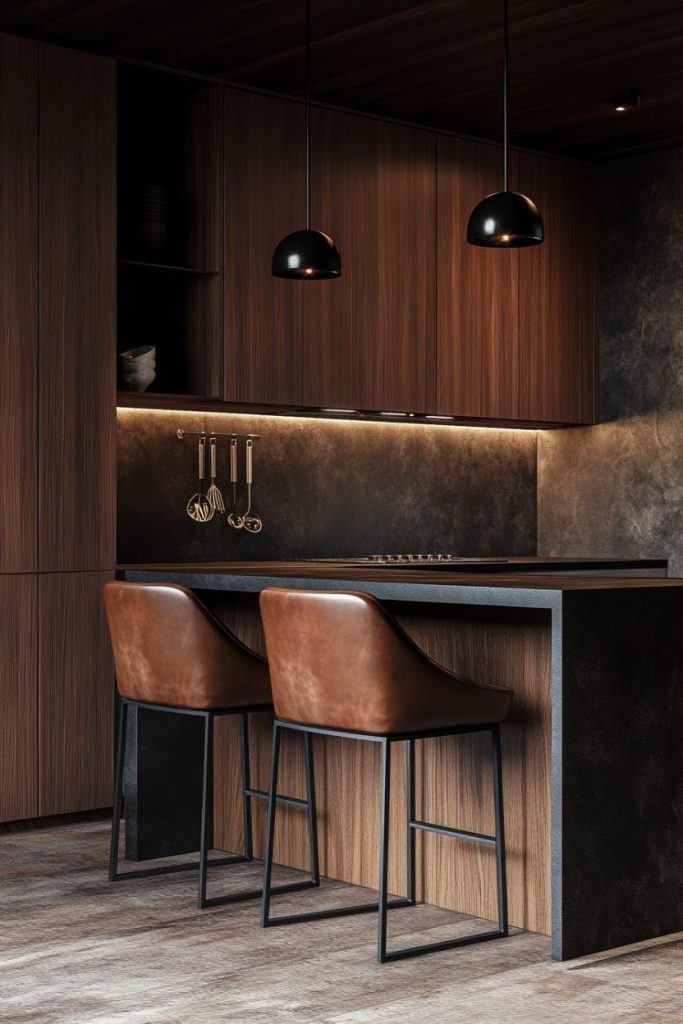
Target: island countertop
<point>592,755</point>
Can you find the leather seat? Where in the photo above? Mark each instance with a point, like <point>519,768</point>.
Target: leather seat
<point>169,650</point>
<point>172,653</point>
<point>338,660</point>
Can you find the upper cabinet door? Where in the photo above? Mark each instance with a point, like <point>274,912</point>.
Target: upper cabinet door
<point>558,333</point>
<point>477,330</point>
<point>369,335</point>
<point>77,310</point>
<point>264,201</point>
<point>18,302</point>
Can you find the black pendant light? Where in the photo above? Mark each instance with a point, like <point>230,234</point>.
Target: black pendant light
<point>505,220</point>
<point>307,255</point>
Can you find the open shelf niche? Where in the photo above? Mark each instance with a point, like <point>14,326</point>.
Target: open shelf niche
<point>170,226</point>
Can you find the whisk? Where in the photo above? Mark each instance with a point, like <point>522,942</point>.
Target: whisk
<point>214,492</point>
<point>199,507</point>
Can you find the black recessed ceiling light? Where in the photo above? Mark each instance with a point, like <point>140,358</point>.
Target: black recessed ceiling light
<point>625,101</point>
<point>307,255</point>
<point>505,220</point>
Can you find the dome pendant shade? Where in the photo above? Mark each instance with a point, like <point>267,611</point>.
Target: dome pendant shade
<point>307,255</point>
<point>505,220</point>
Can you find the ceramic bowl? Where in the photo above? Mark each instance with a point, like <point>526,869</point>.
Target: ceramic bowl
<point>138,380</point>
<point>144,353</point>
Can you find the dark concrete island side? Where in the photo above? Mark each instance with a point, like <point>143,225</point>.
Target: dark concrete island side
<point>593,759</point>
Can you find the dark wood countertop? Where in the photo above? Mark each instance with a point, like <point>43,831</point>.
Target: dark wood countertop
<point>390,576</point>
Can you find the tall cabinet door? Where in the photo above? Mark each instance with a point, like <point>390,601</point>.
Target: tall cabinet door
<point>76,694</point>
<point>18,302</point>
<point>264,201</point>
<point>557,294</point>
<point>369,335</point>
<point>77,310</point>
<point>18,697</point>
<point>477,328</point>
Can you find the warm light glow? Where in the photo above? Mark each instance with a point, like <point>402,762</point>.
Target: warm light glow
<point>505,238</point>
<point>257,423</point>
<point>308,270</point>
<point>620,109</point>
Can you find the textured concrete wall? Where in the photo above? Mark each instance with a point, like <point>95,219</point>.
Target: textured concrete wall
<point>326,488</point>
<point>617,488</point>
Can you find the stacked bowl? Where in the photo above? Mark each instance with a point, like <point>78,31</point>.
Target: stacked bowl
<point>138,367</point>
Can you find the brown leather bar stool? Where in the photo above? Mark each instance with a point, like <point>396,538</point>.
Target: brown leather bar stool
<point>341,666</point>
<point>171,655</point>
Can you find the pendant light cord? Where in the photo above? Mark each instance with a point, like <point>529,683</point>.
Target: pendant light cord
<point>308,115</point>
<point>505,95</point>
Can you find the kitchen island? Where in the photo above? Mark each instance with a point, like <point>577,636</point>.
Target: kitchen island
<point>592,754</point>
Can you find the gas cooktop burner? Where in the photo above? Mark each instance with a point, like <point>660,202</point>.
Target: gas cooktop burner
<point>430,560</point>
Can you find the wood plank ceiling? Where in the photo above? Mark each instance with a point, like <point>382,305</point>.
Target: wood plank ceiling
<point>435,62</point>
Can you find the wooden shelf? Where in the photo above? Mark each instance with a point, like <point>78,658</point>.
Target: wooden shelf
<point>165,268</point>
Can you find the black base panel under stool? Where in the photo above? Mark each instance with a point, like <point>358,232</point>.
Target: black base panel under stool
<point>413,824</point>
<point>162,784</point>
<point>205,718</point>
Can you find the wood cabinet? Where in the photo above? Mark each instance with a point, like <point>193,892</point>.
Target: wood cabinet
<point>517,331</point>
<point>264,201</point>
<point>369,335</point>
<point>58,456</point>
<point>558,334</point>
<point>76,694</point>
<point>18,303</point>
<point>77,303</point>
<point>477,288</point>
<point>18,696</point>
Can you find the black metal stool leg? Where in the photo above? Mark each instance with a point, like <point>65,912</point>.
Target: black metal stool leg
<point>207,811</point>
<point>270,832</point>
<point>246,787</point>
<point>501,876</point>
<point>312,810</point>
<point>118,793</point>
<point>410,837</point>
<point>385,793</point>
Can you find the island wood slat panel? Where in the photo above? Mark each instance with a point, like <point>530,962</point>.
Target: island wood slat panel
<point>505,647</point>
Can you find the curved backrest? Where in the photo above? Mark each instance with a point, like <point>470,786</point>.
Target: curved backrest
<point>168,649</point>
<point>338,660</point>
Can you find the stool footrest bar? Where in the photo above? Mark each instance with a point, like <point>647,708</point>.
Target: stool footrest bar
<point>454,833</point>
<point>261,794</point>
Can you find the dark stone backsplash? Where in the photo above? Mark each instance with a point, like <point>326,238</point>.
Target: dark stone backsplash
<point>617,488</point>
<point>328,488</point>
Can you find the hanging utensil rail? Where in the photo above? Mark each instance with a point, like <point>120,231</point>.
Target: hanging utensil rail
<point>181,433</point>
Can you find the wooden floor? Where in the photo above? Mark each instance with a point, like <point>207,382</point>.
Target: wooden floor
<point>76,950</point>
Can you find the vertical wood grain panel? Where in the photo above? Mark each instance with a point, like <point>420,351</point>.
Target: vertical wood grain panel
<point>264,201</point>
<point>369,335</point>
<point>558,294</point>
<point>477,329</point>
<point>76,694</point>
<point>500,647</point>
<point>18,697</point>
<point>204,199</point>
<point>77,310</point>
<point>18,302</point>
